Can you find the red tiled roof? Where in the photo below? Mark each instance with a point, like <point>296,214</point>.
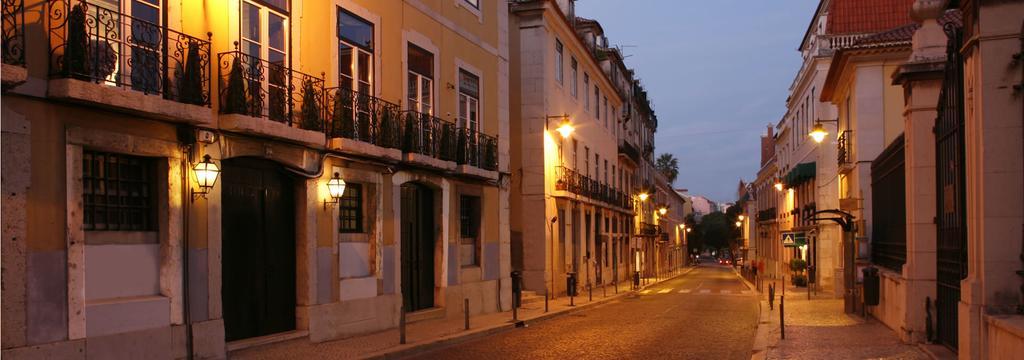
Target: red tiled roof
<point>903,34</point>
<point>867,16</point>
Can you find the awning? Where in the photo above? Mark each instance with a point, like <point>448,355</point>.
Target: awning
<point>800,174</point>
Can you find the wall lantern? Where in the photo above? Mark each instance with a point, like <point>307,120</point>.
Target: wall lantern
<point>818,132</point>
<point>643,196</point>
<point>689,229</point>
<point>739,224</point>
<point>741,217</point>
<point>778,185</point>
<point>663,210</point>
<point>206,175</point>
<point>336,188</point>
<point>565,127</point>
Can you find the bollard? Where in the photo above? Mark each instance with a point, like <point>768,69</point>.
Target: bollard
<point>546,300</point>
<point>465,307</point>
<point>401,326</point>
<point>590,292</point>
<point>782,316</point>
<point>515,313</point>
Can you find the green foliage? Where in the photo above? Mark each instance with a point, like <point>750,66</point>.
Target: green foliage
<point>668,165</point>
<point>190,85</point>
<point>235,99</point>
<point>342,119</point>
<point>76,61</point>
<point>799,280</point>
<point>798,265</point>
<point>311,115</point>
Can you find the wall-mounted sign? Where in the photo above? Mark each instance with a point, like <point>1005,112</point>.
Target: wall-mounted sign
<point>794,239</point>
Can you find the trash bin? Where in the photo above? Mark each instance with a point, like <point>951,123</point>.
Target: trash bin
<point>570,284</point>
<point>872,283</point>
<point>517,288</point>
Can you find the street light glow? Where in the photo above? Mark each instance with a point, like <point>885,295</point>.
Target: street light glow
<point>642,196</point>
<point>741,217</point>
<point>818,133</point>
<point>778,185</point>
<point>663,210</point>
<point>565,128</point>
<point>739,224</point>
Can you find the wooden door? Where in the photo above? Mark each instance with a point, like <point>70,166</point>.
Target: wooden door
<point>417,247</point>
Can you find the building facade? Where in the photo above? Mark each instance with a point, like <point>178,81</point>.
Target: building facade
<point>121,244</point>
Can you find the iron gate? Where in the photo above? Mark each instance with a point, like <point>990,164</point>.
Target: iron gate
<point>951,257</point>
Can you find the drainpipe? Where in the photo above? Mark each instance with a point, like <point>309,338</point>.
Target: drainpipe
<point>186,299</point>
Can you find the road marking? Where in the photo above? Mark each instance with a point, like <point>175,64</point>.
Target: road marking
<point>725,292</point>
<point>665,291</point>
<point>645,292</point>
<point>705,291</point>
<point>685,291</point>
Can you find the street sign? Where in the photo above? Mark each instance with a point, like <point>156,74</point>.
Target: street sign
<point>794,238</point>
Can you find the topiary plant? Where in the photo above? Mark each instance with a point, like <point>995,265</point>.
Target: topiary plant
<point>798,265</point>
<point>234,98</point>
<point>190,83</point>
<point>311,116</point>
<point>76,60</point>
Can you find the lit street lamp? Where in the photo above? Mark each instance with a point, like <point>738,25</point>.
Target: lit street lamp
<point>818,132</point>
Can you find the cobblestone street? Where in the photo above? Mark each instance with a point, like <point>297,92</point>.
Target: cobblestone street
<point>705,314</point>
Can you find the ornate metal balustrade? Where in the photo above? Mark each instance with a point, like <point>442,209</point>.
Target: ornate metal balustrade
<point>844,145</point>
<point>766,214</point>
<point>354,115</point>
<point>93,43</point>
<point>428,135</point>
<point>259,88</point>
<point>647,229</point>
<point>13,32</point>
<point>477,149</point>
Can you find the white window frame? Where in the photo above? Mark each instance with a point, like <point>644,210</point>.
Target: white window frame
<point>472,102</point>
<point>559,59</point>
<point>574,65</point>
<point>357,50</point>
<point>264,14</point>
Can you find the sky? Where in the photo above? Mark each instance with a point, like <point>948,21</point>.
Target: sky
<point>718,73</point>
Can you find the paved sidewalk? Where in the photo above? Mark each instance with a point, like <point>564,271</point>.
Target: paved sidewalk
<point>429,334</point>
<point>819,329</point>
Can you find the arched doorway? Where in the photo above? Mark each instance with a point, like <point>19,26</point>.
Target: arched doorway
<point>418,240</point>
<point>258,237</point>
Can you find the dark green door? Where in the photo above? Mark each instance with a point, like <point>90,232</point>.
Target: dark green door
<point>417,247</point>
<point>258,263</point>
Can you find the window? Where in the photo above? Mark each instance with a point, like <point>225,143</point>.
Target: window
<point>572,84</point>
<point>575,144</point>
<point>355,53</point>
<point>350,209</point>
<point>558,61</point>
<point>597,102</point>
<point>264,36</point>
<point>469,229</point>
<point>118,192</point>
<point>474,3</point>
<point>469,101</point>
<point>421,80</point>
<point>586,160</point>
<point>586,95</point>
<point>606,112</point>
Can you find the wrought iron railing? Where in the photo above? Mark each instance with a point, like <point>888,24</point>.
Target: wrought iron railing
<point>647,229</point>
<point>428,135</point>
<point>477,149</point>
<point>844,147</point>
<point>270,90</point>
<point>13,32</point>
<point>93,43</point>
<point>766,214</point>
<point>354,115</point>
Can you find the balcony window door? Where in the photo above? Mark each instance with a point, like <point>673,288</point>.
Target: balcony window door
<point>469,101</point>
<point>264,36</point>
<point>125,43</point>
<point>421,80</point>
<point>355,53</point>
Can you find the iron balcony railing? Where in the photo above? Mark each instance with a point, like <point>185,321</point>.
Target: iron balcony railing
<point>766,214</point>
<point>844,147</point>
<point>357,116</point>
<point>93,43</point>
<point>13,32</point>
<point>477,149</point>
<point>428,135</point>
<point>571,181</point>
<point>647,229</point>
<point>270,90</point>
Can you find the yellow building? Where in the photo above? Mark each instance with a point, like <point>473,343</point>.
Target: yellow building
<point>113,245</point>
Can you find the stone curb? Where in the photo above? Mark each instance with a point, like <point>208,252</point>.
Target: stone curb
<point>763,334</point>
<point>406,350</point>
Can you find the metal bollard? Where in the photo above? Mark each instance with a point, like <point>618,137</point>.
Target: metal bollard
<point>401,326</point>
<point>515,313</point>
<point>465,306</point>
<point>590,292</point>
<point>546,300</point>
<point>782,316</point>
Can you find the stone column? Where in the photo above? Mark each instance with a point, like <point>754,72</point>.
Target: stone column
<point>921,78</point>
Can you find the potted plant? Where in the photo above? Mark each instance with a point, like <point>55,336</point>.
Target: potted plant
<point>311,119</point>
<point>234,98</point>
<point>76,60</point>
<point>342,114</point>
<point>798,266</point>
<point>190,83</point>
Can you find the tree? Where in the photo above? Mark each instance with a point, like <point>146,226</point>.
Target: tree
<point>668,165</point>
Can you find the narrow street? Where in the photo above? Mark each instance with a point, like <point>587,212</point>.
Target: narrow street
<point>705,314</point>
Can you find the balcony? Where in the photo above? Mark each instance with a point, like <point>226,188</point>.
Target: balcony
<point>569,180</point>
<point>428,140</point>
<point>646,229</point>
<point>14,72</point>
<point>476,154</point>
<point>767,214</point>
<point>844,147</point>
<point>629,151</point>
<point>362,124</point>
<point>270,99</point>
<point>102,57</point>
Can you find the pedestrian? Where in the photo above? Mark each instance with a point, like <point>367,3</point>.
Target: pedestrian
<point>771,296</point>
